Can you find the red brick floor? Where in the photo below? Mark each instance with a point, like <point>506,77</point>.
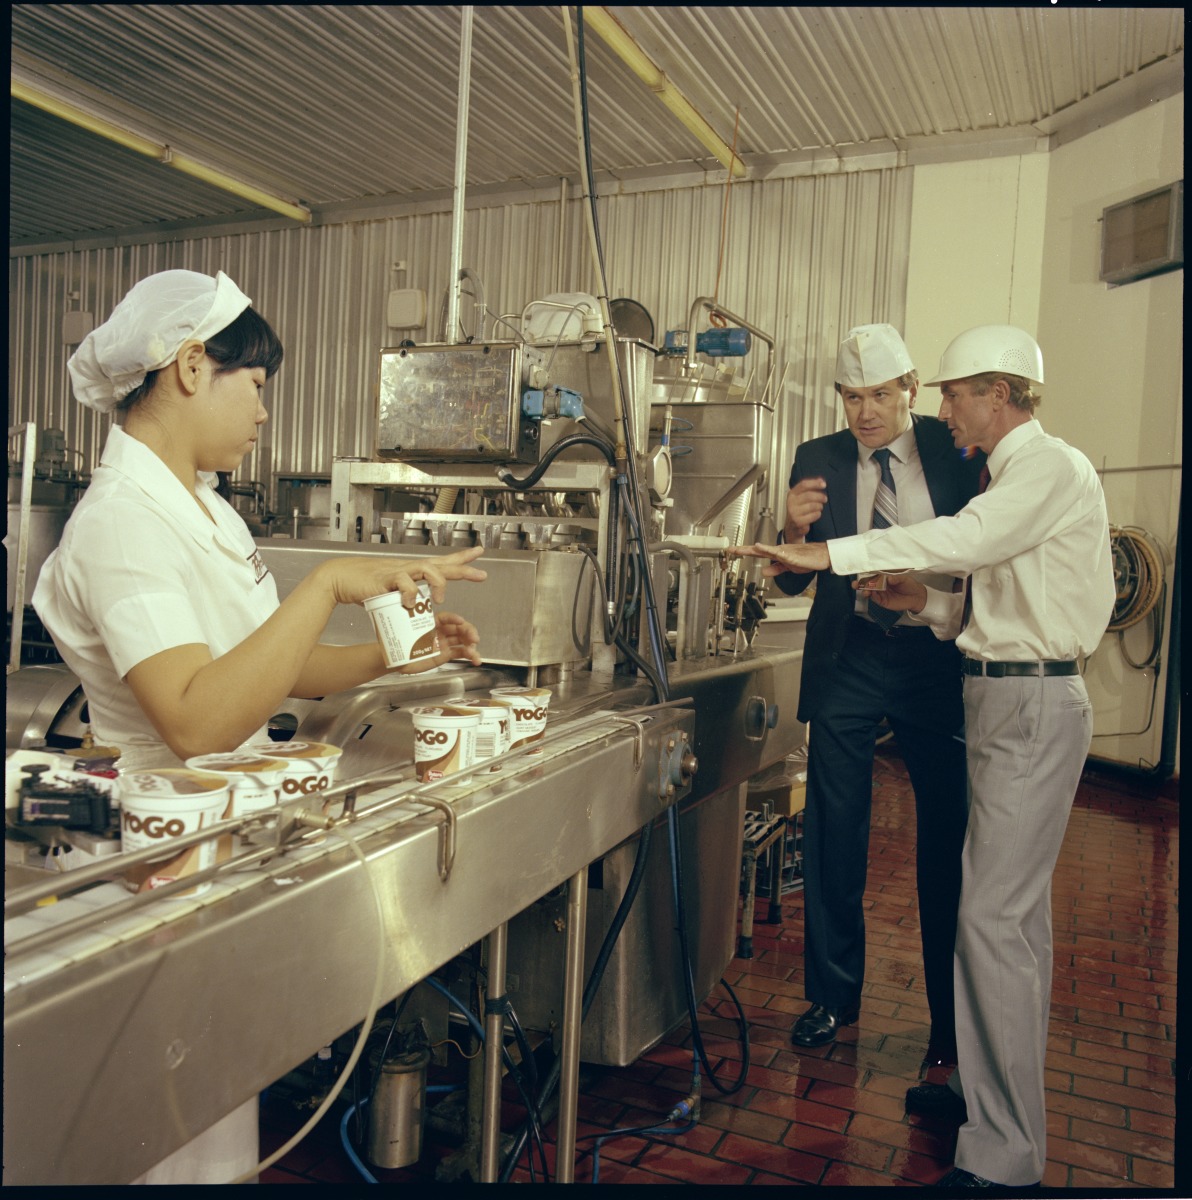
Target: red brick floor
<point>834,1115</point>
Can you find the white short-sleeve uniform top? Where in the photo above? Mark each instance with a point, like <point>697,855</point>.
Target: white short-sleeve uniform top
<point>140,570</point>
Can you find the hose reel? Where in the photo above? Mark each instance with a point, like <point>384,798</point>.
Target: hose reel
<point>1138,575</point>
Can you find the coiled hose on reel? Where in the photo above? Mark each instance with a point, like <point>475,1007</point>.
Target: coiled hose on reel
<point>1138,575</point>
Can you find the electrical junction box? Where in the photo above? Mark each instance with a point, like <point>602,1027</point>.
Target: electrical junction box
<point>76,326</point>
<point>406,309</point>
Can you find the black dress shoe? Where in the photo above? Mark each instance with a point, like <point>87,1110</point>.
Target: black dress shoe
<point>818,1025</point>
<point>936,1100</point>
<point>959,1178</point>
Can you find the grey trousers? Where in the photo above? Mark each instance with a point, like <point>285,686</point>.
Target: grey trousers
<point>1027,741</point>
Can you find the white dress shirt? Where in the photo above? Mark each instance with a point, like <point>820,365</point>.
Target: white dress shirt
<point>140,570</point>
<point>914,504</point>
<point>1036,543</point>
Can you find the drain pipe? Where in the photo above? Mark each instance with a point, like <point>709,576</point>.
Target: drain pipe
<point>461,163</point>
<point>1165,767</point>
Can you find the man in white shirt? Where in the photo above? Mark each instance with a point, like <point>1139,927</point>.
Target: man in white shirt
<point>1035,549</point>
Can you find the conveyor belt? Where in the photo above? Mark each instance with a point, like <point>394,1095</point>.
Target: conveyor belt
<point>122,1044</point>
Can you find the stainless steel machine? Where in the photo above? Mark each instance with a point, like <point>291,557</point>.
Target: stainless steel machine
<point>604,480</point>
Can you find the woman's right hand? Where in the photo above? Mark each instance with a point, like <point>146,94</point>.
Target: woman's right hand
<point>354,580</point>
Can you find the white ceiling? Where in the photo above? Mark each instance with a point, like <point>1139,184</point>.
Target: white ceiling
<point>349,108</point>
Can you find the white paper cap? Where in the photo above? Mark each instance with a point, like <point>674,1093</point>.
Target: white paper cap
<point>147,329</point>
<point>871,354</point>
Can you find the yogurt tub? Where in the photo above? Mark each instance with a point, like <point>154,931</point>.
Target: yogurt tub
<point>405,634</point>
<point>495,733</point>
<point>529,707</point>
<point>444,739</point>
<point>308,768</point>
<point>163,803</point>
<point>255,781</point>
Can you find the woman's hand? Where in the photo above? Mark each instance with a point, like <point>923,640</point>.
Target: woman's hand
<point>457,639</point>
<point>354,580</point>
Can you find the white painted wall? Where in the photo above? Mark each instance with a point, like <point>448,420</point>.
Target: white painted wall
<point>1017,240</point>
<point>976,254</point>
<point>1115,367</point>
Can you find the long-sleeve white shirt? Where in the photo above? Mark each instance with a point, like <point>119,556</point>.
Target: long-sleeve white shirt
<point>1036,544</point>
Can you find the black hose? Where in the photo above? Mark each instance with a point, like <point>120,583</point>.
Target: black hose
<point>594,979</point>
<point>655,624</point>
<point>590,555</point>
<point>507,477</point>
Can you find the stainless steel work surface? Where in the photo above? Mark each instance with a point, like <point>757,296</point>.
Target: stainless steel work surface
<point>149,1028</point>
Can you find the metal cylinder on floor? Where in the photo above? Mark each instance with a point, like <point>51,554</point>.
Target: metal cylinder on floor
<point>397,1110</point>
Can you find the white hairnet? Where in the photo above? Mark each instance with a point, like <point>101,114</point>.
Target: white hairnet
<point>872,354</point>
<point>147,329</point>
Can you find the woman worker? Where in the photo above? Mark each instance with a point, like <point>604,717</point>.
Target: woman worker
<point>156,596</point>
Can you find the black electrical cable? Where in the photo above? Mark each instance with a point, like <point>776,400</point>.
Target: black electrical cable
<point>657,679</point>
<point>534,1115</point>
<point>631,652</point>
<point>590,555</point>
<point>595,976</point>
<point>655,625</point>
<point>523,1044</point>
<point>576,439</point>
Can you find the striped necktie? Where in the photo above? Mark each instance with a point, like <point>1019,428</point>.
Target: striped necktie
<point>885,514</point>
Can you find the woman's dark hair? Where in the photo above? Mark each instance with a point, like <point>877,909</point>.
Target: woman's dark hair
<point>249,341</point>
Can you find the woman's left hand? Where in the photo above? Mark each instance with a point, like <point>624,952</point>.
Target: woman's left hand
<point>457,639</point>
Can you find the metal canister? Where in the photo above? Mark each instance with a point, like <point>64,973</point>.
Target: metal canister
<point>397,1112</point>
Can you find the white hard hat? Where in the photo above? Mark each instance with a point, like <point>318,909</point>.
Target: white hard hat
<point>991,348</point>
<point>147,329</point>
<point>871,354</point>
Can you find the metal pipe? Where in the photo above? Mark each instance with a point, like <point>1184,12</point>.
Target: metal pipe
<point>29,431</point>
<point>681,616</point>
<point>1168,745</point>
<point>710,304</point>
<point>559,250</point>
<point>573,986</point>
<point>494,1043</point>
<point>461,163</point>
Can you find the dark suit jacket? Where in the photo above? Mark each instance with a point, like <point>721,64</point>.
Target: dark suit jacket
<point>951,482</point>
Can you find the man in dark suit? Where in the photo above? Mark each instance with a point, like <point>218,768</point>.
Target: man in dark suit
<point>860,666</point>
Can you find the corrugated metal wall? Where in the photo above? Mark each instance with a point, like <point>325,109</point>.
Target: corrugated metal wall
<point>804,259</point>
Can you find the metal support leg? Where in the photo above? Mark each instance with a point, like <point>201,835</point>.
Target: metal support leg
<point>573,984</point>
<point>749,867</point>
<point>777,853</point>
<point>494,1041</point>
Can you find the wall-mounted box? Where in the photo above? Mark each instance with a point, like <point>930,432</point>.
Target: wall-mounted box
<point>1143,236</point>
